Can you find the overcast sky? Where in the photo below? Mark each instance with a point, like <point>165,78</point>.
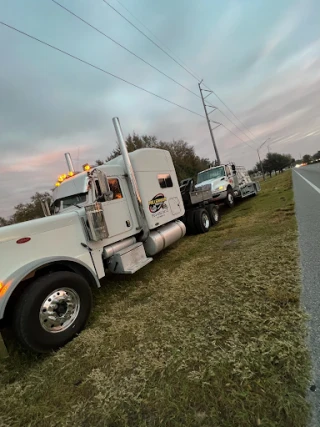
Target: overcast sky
<point>261,57</point>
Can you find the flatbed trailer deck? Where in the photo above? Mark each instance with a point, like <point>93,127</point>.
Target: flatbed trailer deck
<point>201,212</point>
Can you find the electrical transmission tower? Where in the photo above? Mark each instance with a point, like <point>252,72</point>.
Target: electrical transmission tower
<point>211,129</point>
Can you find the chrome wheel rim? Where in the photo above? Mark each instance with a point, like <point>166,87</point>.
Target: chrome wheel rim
<point>59,310</point>
<point>215,216</point>
<point>205,220</point>
<point>230,198</point>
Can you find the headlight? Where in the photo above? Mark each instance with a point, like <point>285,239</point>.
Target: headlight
<point>221,188</point>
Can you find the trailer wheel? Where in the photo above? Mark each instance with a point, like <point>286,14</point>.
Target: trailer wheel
<point>201,220</point>
<point>230,198</point>
<point>190,226</point>
<point>52,311</point>
<point>214,214</point>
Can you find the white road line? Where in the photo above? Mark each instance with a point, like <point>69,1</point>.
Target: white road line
<point>310,183</point>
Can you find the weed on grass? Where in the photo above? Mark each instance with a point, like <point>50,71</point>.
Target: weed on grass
<point>209,334</point>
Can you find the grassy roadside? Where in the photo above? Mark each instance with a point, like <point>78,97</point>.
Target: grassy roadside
<point>210,334</point>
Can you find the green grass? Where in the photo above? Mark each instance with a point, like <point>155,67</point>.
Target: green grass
<point>210,334</point>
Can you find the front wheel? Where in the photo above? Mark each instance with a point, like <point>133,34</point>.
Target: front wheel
<point>230,198</point>
<point>52,311</point>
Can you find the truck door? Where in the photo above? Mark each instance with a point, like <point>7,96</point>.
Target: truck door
<point>230,176</point>
<point>116,211</point>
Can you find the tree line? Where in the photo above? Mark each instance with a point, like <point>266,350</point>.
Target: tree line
<point>26,211</point>
<point>186,162</point>
<point>307,158</point>
<point>276,162</point>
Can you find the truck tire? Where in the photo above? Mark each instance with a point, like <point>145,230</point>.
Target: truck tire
<point>190,226</point>
<point>214,214</point>
<point>230,198</point>
<point>52,311</point>
<point>201,221</point>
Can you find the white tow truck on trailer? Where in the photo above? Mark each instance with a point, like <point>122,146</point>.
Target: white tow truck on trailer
<point>227,182</point>
<point>113,217</point>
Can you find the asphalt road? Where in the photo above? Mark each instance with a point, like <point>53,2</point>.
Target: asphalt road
<point>306,183</point>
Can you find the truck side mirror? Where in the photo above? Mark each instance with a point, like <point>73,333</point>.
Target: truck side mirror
<point>106,193</point>
<point>109,195</point>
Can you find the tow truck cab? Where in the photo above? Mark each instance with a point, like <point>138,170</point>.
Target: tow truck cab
<point>227,182</point>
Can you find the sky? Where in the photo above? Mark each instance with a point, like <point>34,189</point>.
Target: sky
<point>261,57</point>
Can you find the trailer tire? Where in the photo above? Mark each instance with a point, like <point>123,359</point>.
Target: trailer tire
<point>190,226</point>
<point>214,214</point>
<point>202,220</point>
<point>52,311</point>
<point>230,198</point>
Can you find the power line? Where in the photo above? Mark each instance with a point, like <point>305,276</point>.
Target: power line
<point>245,142</point>
<point>231,121</point>
<point>123,47</point>
<point>230,110</point>
<point>205,105</point>
<point>153,42</point>
<point>192,73</point>
<point>110,74</point>
<point>97,68</point>
<point>157,38</point>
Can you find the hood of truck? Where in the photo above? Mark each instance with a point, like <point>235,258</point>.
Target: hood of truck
<point>35,243</point>
<point>215,183</point>
<point>36,226</point>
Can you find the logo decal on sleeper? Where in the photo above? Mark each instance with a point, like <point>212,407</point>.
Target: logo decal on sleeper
<point>158,206</point>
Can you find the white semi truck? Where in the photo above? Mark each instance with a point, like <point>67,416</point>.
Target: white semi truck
<point>114,217</point>
<point>227,182</point>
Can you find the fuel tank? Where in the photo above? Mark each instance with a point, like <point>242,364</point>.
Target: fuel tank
<point>164,236</point>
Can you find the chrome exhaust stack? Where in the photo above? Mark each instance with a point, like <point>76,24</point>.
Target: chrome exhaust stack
<point>69,162</point>
<point>137,202</point>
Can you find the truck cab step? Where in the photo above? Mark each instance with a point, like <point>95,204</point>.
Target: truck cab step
<point>129,260</point>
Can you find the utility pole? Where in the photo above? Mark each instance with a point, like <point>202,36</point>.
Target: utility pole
<point>258,151</point>
<point>208,120</point>
<point>261,165</point>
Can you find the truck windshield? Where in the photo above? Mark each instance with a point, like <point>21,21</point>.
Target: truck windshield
<point>66,202</point>
<point>213,173</point>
